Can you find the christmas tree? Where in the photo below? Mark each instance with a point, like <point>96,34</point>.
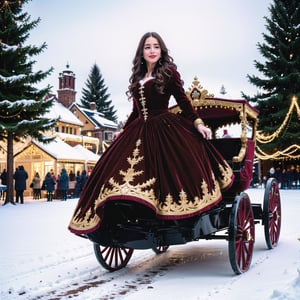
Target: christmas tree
<point>96,92</point>
<point>279,85</point>
<point>21,103</point>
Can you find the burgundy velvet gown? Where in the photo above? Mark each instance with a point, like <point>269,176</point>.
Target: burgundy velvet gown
<point>159,160</point>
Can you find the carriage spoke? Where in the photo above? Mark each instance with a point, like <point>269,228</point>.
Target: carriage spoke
<point>112,258</point>
<point>272,213</point>
<point>241,233</point>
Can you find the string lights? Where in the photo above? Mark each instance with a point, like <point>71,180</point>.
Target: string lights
<point>263,138</point>
<point>288,153</point>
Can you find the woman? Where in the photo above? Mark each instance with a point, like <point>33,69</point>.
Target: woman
<point>3,178</point>
<point>64,184</point>
<point>49,185</point>
<point>159,159</point>
<point>20,177</point>
<point>37,187</point>
<point>77,185</point>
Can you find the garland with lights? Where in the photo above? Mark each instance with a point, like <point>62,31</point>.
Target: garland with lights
<point>291,152</point>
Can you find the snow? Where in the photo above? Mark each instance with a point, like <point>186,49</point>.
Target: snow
<point>61,150</point>
<point>6,47</point>
<point>89,155</point>
<point>97,117</point>
<point>41,259</point>
<point>22,102</point>
<point>104,122</point>
<point>59,111</point>
<point>13,78</point>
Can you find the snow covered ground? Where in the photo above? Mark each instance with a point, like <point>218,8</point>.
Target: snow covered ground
<point>41,259</point>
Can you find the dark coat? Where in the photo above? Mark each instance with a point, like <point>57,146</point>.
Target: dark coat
<point>49,183</point>
<point>64,180</point>
<point>20,178</point>
<point>4,177</point>
<point>83,179</point>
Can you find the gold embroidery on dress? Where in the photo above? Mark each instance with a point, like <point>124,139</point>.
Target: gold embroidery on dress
<point>143,102</point>
<point>145,191</point>
<point>142,190</point>
<point>88,221</point>
<point>186,206</point>
<point>226,173</point>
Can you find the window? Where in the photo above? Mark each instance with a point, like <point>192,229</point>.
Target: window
<point>108,135</point>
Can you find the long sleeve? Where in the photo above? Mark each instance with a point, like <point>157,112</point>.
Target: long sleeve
<point>178,92</point>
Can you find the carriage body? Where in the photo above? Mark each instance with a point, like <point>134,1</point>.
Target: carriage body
<point>127,226</point>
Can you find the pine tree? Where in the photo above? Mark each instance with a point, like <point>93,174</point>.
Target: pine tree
<point>223,90</point>
<point>281,78</point>
<point>96,91</point>
<point>21,103</point>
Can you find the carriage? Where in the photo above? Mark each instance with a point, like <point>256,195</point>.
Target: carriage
<point>128,226</point>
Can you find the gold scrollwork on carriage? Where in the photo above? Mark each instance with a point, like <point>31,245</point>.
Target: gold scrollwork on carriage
<point>203,101</point>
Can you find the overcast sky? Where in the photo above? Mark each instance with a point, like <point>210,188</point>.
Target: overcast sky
<point>215,40</point>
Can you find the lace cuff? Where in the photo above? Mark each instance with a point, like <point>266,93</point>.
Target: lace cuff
<point>197,122</point>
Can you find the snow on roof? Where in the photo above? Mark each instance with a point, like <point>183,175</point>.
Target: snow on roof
<point>89,155</point>
<point>63,113</point>
<point>63,151</point>
<point>102,121</point>
<point>97,118</point>
<point>60,150</point>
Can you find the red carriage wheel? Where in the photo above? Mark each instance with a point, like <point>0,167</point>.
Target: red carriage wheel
<point>112,258</point>
<point>160,249</point>
<point>241,234</point>
<point>272,213</point>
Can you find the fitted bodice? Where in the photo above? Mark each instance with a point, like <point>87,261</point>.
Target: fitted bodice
<point>148,102</point>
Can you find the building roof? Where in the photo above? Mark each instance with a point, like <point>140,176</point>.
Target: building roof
<point>90,156</point>
<point>60,150</point>
<point>96,118</point>
<point>63,114</point>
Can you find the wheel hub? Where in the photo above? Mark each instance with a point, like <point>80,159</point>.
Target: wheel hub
<point>276,216</point>
<point>247,236</point>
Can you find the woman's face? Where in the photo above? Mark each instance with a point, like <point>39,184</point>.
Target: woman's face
<point>151,51</point>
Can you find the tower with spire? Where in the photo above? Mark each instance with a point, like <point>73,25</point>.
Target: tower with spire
<point>66,93</point>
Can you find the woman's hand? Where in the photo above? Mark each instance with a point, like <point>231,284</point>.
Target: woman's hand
<point>204,131</point>
<point>115,135</point>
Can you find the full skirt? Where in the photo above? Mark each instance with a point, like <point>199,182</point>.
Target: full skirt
<point>163,163</point>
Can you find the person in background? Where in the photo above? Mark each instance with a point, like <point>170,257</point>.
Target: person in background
<point>20,177</point>
<point>77,185</point>
<point>83,179</point>
<point>4,182</point>
<point>71,176</point>
<point>37,187</point>
<point>53,175</point>
<point>278,175</point>
<point>49,186</point>
<point>290,177</point>
<point>64,184</point>
<point>226,135</point>
<point>297,176</point>
<point>284,179</point>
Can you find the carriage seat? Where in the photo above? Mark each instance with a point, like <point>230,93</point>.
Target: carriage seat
<point>243,170</point>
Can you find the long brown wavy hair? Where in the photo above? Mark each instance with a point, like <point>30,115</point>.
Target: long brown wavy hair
<point>161,71</point>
